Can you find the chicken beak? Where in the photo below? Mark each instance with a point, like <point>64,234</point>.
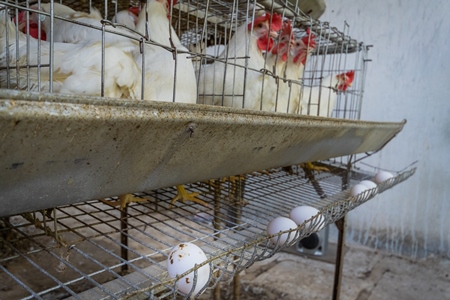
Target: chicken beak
<point>273,34</point>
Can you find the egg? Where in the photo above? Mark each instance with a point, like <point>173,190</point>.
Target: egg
<point>281,224</point>
<point>302,213</point>
<point>358,189</point>
<point>382,176</point>
<point>182,258</point>
<point>369,184</point>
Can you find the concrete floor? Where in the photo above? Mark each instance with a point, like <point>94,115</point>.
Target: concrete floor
<point>367,275</point>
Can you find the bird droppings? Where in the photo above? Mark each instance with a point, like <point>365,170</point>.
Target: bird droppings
<point>182,246</point>
<point>180,256</point>
<point>16,165</point>
<point>171,261</point>
<point>187,280</point>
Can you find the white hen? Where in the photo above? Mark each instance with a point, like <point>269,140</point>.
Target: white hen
<point>277,91</point>
<point>320,100</point>
<point>76,67</point>
<point>227,82</point>
<point>127,17</point>
<point>68,32</point>
<point>300,52</point>
<point>161,65</point>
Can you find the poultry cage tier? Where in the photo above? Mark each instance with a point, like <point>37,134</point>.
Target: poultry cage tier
<point>92,250</point>
<point>227,69</point>
<point>71,149</point>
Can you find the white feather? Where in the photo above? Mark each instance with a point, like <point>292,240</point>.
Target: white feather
<point>160,65</point>
<point>230,83</point>
<point>68,32</point>
<point>76,67</point>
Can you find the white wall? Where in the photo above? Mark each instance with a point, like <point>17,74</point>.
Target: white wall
<point>409,78</point>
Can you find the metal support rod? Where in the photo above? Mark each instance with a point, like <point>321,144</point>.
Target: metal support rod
<point>239,203</point>
<point>124,238</point>
<point>217,191</point>
<point>340,224</point>
<point>236,287</point>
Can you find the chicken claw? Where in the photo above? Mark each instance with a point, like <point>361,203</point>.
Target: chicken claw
<point>183,195</point>
<point>124,200</point>
<point>311,167</point>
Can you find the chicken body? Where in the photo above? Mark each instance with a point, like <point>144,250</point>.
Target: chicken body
<point>300,51</point>
<point>320,100</point>
<point>68,32</point>
<point>76,67</point>
<point>126,17</point>
<point>160,65</point>
<point>228,82</point>
<point>277,90</point>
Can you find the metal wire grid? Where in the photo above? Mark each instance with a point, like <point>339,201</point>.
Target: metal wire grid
<point>213,22</point>
<point>98,251</point>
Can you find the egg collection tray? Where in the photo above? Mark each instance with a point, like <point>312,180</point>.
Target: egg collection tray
<point>95,251</point>
<point>66,148</point>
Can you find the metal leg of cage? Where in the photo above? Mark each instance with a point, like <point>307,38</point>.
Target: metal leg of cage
<point>124,238</point>
<point>341,225</point>
<point>238,203</point>
<point>216,225</point>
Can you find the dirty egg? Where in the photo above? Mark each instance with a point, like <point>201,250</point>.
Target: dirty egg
<point>184,257</point>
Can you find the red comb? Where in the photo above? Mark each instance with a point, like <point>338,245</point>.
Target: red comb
<point>287,28</point>
<point>277,21</point>
<point>347,78</point>
<point>309,39</point>
<point>135,10</point>
<point>33,27</point>
<point>350,75</point>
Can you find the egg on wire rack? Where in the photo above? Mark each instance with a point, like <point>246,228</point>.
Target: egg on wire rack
<point>281,224</point>
<point>184,257</point>
<point>382,176</point>
<point>302,213</point>
<point>369,185</point>
<point>358,189</point>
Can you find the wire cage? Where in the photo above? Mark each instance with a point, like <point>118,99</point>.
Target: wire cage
<point>89,73</point>
<point>94,251</point>
<point>233,67</point>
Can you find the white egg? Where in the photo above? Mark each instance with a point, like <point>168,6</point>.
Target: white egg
<point>281,224</point>
<point>182,258</point>
<point>369,184</point>
<point>382,176</point>
<point>302,213</point>
<point>358,189</point>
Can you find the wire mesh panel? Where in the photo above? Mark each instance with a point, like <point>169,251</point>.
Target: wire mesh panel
<point>258,55</point>
<point>263,56</point>
<point>96,251</point>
